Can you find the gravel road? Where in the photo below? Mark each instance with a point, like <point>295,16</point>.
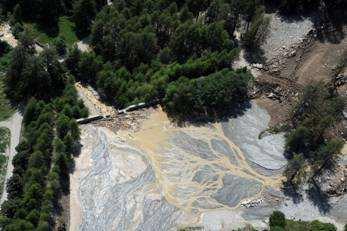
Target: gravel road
<point>14,123</point>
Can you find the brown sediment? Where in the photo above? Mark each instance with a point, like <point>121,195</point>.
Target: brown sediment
<point>153,139</point>
<point>93,102</point>
<point>7,36</point>
<point>344,150</point>
<point>279,112</point>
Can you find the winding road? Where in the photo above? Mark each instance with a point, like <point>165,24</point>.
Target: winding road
<point>14,123</point>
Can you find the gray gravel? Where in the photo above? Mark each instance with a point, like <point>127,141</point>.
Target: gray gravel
<point>188,179</point>
<point>223,147</point>
<point>205,174</point>
<point>283,34</point>
<point>236,189</point>
<point>193,146</point>
<point>110,202</point>
<point>14,123</point>
<point>267,153</point>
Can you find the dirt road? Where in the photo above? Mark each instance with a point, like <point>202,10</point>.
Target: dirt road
<point>14,124</point>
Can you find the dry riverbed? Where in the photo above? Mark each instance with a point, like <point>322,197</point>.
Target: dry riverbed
<point>162,176</point>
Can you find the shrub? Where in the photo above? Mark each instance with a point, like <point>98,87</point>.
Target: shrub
<point>60,45</point>
<point>277,219</point>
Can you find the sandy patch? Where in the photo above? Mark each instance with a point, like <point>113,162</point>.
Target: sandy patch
<point>7,36</point>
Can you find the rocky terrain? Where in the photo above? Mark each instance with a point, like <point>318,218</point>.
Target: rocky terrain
<point>163,176</point>
<point>168,176</point>
<point>160,176</point>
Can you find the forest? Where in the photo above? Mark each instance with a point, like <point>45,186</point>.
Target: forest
<point>175,53</point>
<point>50,137</point>
<point>138,45</point>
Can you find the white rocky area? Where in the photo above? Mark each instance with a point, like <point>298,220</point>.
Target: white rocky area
<point>284,35</point>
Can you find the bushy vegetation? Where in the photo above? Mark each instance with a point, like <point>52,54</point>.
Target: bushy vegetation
<point>178,53</point>
<point>210,95</point>
<point>45,12</point>
<point>278,222</point>
<point>30,75</point>
<point>124,87</point>
<point>50,138</point>
<point>311,145</point>
<point>253,37</point>
<point>4,139</point>
<point>65,31</point>
<point>5,136</point>
<point>5,108</point>
<point>144,49</point>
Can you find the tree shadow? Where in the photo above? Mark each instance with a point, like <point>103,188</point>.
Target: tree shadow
<point>319,198</point>
<point>328,22</point>
<point>77,149</point>
<point>332,33</point>
<point>255,55</point>
<point>51,30</point>
<point>314,193</point>
<point>291,191</point>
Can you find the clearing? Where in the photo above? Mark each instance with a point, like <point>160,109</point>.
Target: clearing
<point>66,30</point>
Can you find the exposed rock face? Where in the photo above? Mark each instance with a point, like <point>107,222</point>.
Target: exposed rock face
<point>284,36</point>
<point>334,183</point>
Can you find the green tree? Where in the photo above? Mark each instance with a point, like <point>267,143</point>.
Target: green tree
<point>60,45</point>
<point>88,67</point>
<point>319,226</point>
<point>278,219</point>
<point>63,125</point>
<point>72,60</point>
<point>84,12</point>
<point>17,13</point>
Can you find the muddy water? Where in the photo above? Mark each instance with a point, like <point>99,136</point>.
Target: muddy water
<point>165,176</point>
<point>201,168</point>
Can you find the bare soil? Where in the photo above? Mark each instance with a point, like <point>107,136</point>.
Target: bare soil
<point>314,61</point>
<point>319,62</point>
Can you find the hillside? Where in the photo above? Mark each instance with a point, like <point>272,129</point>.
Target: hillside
<point>170,115</point>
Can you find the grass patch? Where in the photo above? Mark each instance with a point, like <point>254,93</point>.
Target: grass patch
<point>311,226</point>
<point>297,225</point>
<point>4,62</point>
<point>3,169</point>
<point>4,140</point>
<point>66,30</point>
<point>5,109</point>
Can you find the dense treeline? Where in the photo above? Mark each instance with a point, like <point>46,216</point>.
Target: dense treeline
<point>143,46</point>
<point>47,12</point>
<point>50,138</point>
<point>211,95</point>
<point>5,49</point>
<point>31,75</point>
<point>118,86</point>
<point>311,145</point>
